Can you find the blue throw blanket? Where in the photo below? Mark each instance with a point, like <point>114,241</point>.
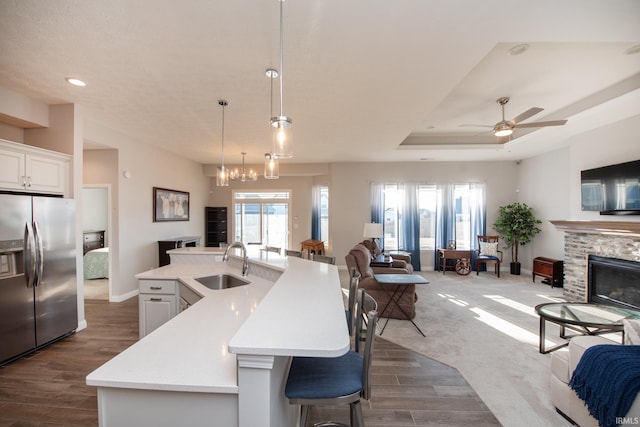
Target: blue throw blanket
<point>607,378</point>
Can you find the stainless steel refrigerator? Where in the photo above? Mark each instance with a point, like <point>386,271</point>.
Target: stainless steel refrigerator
<point>38,302</point>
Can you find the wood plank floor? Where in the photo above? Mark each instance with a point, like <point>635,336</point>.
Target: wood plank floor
<point>47,389</point>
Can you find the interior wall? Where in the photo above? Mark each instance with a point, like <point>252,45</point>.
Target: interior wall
<point>550,183</point>
<point>545,187</point>
<point>300,187</point>
<point>350,192</point>
<point>137,234</point>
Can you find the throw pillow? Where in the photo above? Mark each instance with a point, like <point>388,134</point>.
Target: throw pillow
<point>488,249</point>
<point>631,331</point>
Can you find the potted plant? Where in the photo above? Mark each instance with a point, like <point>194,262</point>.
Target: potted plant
<point>517,226</point>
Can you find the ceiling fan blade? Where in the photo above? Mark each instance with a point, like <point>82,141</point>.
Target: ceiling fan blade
<point>541,124</point>
<point>468,125</point>
<point>524,116</point>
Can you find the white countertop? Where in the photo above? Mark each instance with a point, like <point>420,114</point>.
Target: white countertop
<point>301,314</point>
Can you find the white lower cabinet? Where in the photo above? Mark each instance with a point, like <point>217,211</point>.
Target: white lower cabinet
<point>158,303</point>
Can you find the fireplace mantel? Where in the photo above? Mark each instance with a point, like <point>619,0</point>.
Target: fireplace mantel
<point>620,228</point>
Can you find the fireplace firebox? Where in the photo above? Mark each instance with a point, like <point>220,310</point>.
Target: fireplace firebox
<point>614,281</point>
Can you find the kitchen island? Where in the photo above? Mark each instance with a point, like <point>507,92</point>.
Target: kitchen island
<point>223,361</point>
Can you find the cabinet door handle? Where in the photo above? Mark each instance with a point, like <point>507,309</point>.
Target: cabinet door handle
<point>28,181</point>
<point>156,299</point>
<point>156,288</point>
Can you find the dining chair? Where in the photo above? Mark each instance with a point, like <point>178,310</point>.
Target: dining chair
<point>272,249</point>
<point>350,312</point>
<point>321,381</point>
<point>289,252</point>
<point>364,305</point>
<point>488,253</point>
<point>324,258</point>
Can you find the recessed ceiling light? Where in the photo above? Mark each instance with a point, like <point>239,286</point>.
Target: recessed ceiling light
<point>633,50</point>
<point>76,82</point>
<point>518,49</point>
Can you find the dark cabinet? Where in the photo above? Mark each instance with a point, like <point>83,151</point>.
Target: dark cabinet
<point>551,269</point>
<point>178,242</point>
<point>92,240</point>
<point>215,226</point>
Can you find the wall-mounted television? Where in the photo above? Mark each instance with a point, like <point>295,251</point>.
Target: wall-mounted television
<point>613,189</point>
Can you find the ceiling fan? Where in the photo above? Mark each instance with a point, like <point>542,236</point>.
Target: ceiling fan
<point>505,128</point>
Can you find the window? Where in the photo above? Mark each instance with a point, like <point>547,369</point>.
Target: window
<point>262,218</point>
<point>464,203</point>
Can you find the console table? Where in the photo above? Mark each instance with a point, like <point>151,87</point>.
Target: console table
<point>550,269</point>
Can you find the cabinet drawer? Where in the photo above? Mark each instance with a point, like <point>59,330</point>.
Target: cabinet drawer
<point>167,287</point>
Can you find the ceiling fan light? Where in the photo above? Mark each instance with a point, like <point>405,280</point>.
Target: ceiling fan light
<point>503,129</point>
<point>503,132</point>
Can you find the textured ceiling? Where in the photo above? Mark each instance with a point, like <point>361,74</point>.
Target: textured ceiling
<point>364,80</point>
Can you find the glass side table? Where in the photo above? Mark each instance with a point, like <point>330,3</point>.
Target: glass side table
<point>584,318</point>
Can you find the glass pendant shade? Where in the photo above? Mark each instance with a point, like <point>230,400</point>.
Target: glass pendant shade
<point>222,177</point>
<point>271,166</point>
<point>222,173</point>
<point>282,137</point>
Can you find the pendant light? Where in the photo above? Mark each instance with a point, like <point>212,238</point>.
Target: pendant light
<point>271,164</point>
<point>282,132</point>
<point>222,175</point>
<point>243,175</point>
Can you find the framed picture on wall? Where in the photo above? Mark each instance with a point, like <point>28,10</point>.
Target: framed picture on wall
<point>170,205</point>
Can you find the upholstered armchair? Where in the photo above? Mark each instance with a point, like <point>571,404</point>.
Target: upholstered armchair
<point>399,260</point>
<point>359,258</point>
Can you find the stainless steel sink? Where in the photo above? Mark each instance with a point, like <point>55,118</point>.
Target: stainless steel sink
<point>221,281</point>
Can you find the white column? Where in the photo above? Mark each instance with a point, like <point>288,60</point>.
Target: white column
<point>261,399</point>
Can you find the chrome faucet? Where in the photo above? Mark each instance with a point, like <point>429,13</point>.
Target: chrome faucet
<point>245,257</point>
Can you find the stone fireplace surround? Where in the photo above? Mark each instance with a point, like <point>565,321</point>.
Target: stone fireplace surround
<point>612,239</point>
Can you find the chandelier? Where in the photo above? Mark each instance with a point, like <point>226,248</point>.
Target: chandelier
<point>242,175</point>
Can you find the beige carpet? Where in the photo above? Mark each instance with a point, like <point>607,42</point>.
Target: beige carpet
<point>96,289</point>
<point>487,329</point>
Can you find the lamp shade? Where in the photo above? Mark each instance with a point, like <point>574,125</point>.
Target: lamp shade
<point>372,230</point>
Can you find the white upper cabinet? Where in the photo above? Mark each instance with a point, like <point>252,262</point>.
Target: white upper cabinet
<point>34,170</point>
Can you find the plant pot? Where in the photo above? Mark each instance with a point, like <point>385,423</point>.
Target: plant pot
<point>515,268</point>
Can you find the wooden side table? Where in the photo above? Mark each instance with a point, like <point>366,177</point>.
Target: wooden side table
<point>317,246</point>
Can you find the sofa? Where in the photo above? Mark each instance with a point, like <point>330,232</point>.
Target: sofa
<point>565,400</point>
<point>359,258</point>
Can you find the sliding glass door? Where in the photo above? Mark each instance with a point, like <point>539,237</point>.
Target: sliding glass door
<point>262,218</point>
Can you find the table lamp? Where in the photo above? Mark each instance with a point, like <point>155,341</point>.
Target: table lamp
<point>372,231</point>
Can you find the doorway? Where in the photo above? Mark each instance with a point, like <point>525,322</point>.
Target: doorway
<point>96,257</point>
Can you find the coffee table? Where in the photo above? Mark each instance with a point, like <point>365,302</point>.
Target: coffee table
<point>584,318</point>
<point>400,281</point>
